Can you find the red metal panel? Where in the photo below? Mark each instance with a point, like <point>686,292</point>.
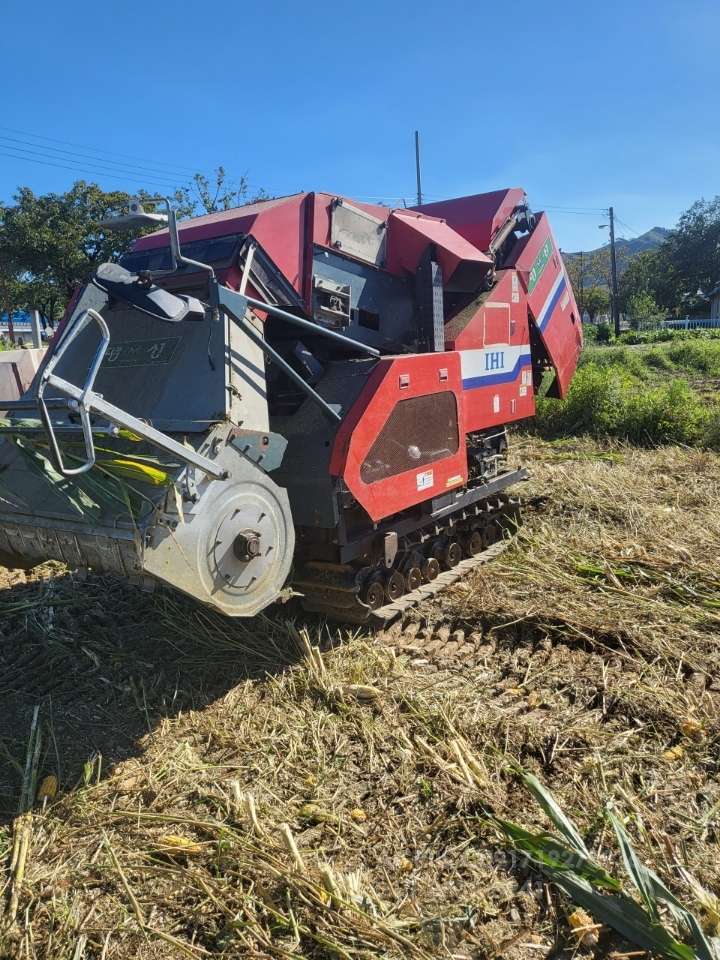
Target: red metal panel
<point>478,217</point>
<point>277,225</point>
<point>551,301</point>
<point>409,235</point>
<point>393,380</point>
<point>494,348</point>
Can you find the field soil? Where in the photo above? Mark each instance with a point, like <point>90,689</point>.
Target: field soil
<point>225,790</point>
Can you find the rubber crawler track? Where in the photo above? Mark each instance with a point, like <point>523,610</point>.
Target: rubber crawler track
<point>333,590</point>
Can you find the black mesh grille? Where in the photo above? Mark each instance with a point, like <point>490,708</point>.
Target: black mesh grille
<point>217,250</point>
<point>420,430</point>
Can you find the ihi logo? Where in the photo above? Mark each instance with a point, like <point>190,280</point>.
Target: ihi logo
<point>495,360</point>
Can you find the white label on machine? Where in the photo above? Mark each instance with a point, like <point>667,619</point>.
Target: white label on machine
<point>515,289</point>
<point>523,391</point>
<point>565,300</point>
<point>495,363</point>
<point>496,403</point>
<point>425,480</point>
<point>527,378</point>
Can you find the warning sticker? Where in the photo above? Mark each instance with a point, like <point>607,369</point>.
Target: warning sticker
<point>565,300</point>
<point>523,391</point>
<point>526,378</point>
<point>496,403</point>
<point>453,481</point>
<point>515,289</point>
<point>425,480</point>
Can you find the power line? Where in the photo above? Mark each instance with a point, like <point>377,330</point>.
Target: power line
<point>580,213</point>
<point>627,226</point>
<point>180,170</point>
<point>39,152</point>
<point>128,167</point>
<point>90,169</point>
<point>75,169</point>
<point>91,164</point>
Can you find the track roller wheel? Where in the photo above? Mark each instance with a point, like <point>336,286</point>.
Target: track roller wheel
<point>474,543</point>
<point>452,554</point>
<point>373,594</point>
<point>413,578</point>
<point>394,586</point>
<point>430,569</point>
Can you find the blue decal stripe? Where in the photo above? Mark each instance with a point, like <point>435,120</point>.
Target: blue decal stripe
<point>548,311</point>
<point>506,376</point>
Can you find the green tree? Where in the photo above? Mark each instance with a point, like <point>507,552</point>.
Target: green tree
<point>209,195</point>
<point>592,269</point>
<point>11,292</point>
<point>690,255</point>
<point>597,301</point>
<point>641,278</point>
<point>641,306</point>
<point>51,242</point>
<point>54,241</point>
<point>685,265</point>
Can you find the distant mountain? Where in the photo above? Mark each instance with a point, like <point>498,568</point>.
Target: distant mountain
<point>646,241</point>
<point>596,263</point>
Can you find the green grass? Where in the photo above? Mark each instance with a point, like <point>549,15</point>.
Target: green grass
<point>648,395</point>
<point>686,357</point>
<point>664,336</point>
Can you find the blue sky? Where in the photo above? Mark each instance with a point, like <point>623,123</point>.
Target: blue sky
<point>581,104</point>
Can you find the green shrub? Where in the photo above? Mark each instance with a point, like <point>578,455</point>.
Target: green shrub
<point>603,333</point>
<point>596,333</point>
<point>606,401</point>
<point>658,361</point>
<point>688,357</point>
<point>630,362</point>
<point>701,357</point>
<point>666,335</point>
<point>673,413</point>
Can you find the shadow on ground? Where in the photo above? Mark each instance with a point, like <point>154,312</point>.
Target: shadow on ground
<point>105,663</point>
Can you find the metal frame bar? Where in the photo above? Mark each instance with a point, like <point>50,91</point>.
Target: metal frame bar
<point>47,377</point>
<point>313,327</point>
<point>236,304</point>
<point>85,400</point>
<point>93,402</point>
<point>249,330</point>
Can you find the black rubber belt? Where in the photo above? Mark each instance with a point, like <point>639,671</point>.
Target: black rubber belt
<point>384,616</point>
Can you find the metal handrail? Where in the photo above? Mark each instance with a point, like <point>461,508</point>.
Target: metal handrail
<point>79,404</point>
<point>84,400</point>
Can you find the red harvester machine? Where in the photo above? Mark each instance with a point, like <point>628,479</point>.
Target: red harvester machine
<point>307,392</point>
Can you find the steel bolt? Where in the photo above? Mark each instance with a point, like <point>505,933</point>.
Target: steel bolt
<point>246,546</point>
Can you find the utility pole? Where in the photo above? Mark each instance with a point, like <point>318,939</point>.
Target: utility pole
<point>35,329</point>
<point>582,285</point>
<point>613,273</point>
<point>417,168</point>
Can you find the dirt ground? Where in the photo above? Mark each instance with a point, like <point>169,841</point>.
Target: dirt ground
<point>223,793</point>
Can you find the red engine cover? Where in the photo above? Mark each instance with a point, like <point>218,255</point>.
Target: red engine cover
<point>426,438</point>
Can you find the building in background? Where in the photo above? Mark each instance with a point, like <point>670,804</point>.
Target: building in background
<point>714,298</point>
<point>20,322</point>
